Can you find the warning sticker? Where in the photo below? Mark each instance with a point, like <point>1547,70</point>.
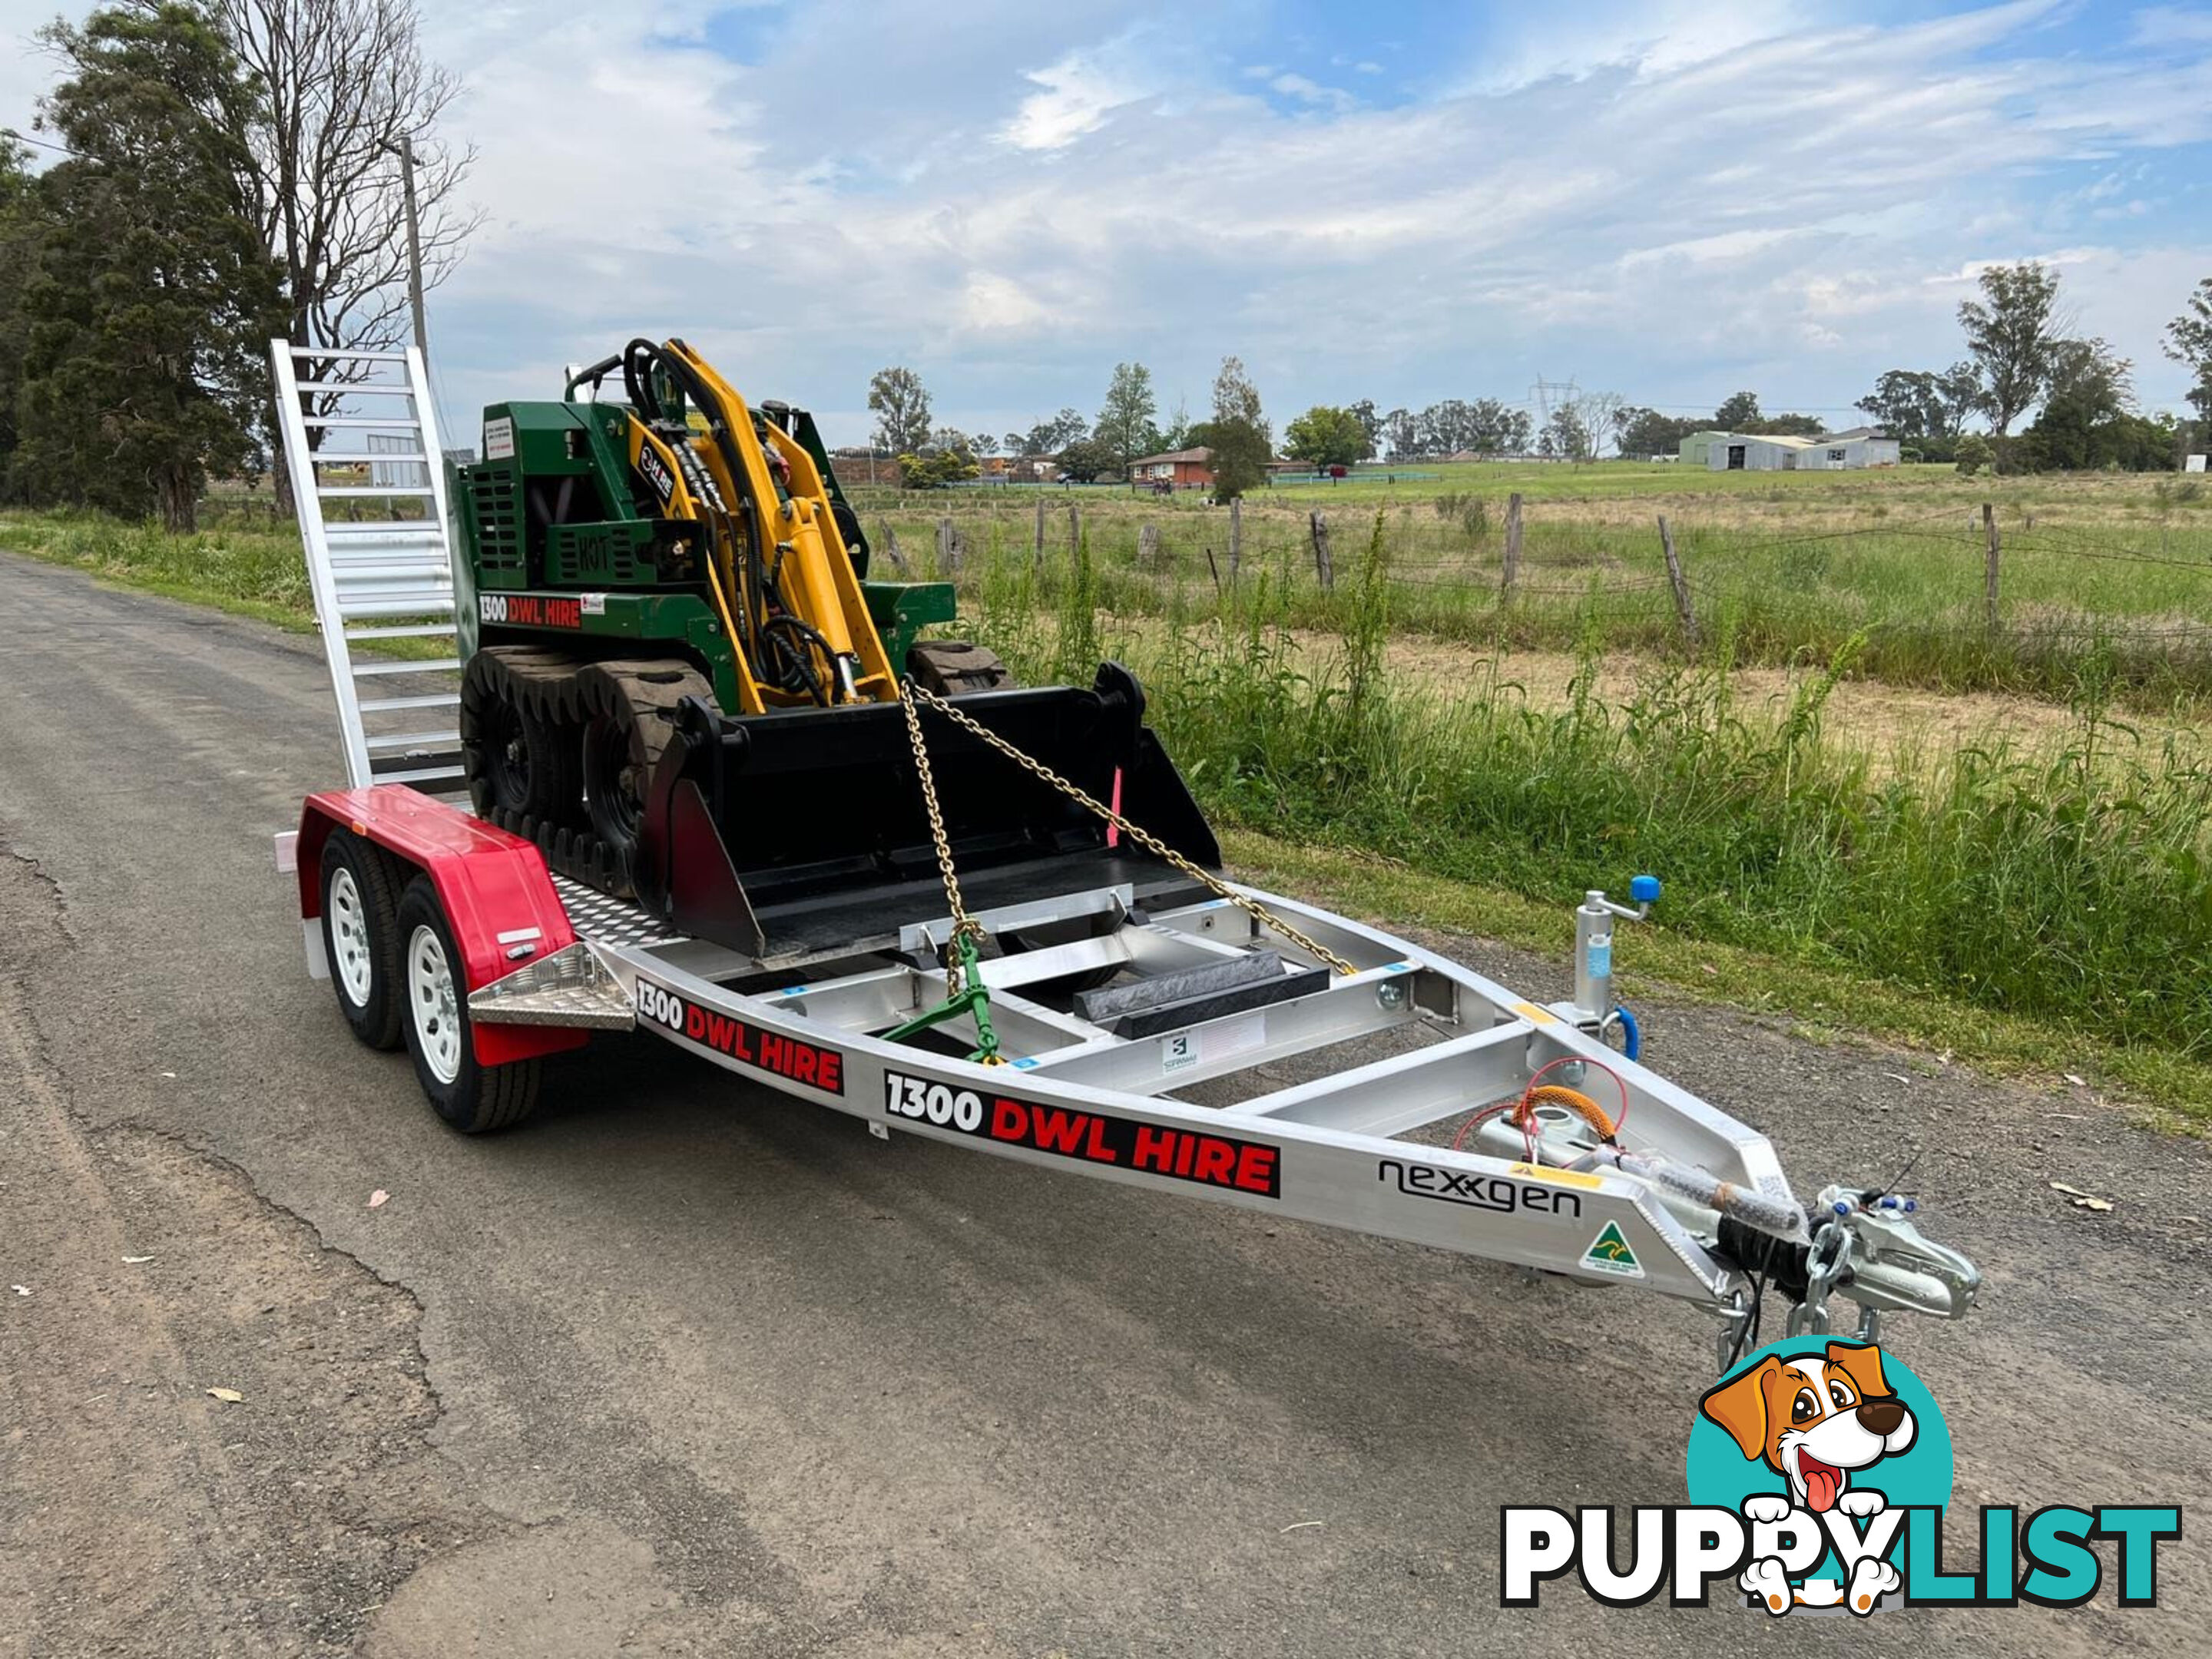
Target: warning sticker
<point>498,439</point>
<point>1609,1252</point>
<point>1562,1177</point>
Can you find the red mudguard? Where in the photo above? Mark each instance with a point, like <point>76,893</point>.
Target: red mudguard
<point>494,886</point>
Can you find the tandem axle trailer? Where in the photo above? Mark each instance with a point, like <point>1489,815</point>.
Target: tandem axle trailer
<point>1406,1119</point>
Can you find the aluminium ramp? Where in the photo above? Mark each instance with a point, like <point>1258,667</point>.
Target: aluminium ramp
<point>360,432</point>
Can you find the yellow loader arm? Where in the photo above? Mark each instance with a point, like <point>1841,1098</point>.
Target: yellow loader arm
<point>782,578</point>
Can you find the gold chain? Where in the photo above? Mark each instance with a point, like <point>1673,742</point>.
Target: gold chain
<point>1142,837</point>
<point>964,925</point>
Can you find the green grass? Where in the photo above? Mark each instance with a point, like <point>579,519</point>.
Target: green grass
<point>1783,569</point>
<point>2068,884</point>
<point>248,571</point>
<point>1818,1000</point>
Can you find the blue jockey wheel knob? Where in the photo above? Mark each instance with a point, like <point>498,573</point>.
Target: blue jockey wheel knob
<point>1643,890</point>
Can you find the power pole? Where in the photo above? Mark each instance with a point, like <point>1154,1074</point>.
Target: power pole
<point>404,149</point>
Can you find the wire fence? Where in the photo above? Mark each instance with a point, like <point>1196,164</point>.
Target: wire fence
<point>1960,597</point>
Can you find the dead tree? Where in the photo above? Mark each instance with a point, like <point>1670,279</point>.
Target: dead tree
<point>343,82</point>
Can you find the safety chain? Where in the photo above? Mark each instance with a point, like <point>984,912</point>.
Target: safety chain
<point>966,930</point>
<point>1142,837</point>
<point>1830,1256</point>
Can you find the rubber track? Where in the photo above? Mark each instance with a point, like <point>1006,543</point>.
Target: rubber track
<point>565,692</point>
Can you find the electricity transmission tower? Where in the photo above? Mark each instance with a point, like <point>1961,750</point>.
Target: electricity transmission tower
<point>1548,395</point>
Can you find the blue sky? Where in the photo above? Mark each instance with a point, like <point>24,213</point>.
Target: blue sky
<point>1401,202</point>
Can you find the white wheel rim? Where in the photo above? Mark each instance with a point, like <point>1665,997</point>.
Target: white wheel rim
<point>353,965</point>
<point>436,1011</point>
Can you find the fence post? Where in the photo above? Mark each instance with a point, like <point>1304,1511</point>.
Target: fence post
<point>1680,584</point>
<point>1040,527</point>
<point>1148,546</point>
<point>1215,570</point>
<point>891,550</point>
<point>1074,531</point>
<point>1512,572</point>
<point>948,547</point>
<point>1235,536</point>
<point>1990,567</point>
<point>1322,567</point>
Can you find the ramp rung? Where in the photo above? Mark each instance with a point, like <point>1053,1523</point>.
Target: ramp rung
<point>408,631</point>
<point>367,529</point>
<point>377,492</point>
<point>396,422</point>
<point>434,700</point>
<point>362,571</point>
<point>418,775</point>
<point>405,602</point>
<point>368,390</point>
<point>363,671</point>
<point>432,741</point>
<point>344,354</point>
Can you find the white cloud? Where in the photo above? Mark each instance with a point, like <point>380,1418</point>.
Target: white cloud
<point>1079,92</point>
<point>1307,91</point>
<point>2169,26</point>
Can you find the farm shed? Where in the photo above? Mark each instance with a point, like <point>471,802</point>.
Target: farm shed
<point>1836,451</point>
<point>1745,452</point>
<point>1694,447</point>
<point>1178,469</point>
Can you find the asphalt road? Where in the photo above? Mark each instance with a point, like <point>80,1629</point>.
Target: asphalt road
<point>685,1367</point>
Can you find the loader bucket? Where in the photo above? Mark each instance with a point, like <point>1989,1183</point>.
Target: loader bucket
<point>774,834</point>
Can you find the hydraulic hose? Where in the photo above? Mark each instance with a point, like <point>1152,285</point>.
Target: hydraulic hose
<point>1632,1039</point>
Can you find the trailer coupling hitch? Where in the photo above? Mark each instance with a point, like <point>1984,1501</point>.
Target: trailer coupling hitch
<point>1867,1248</point>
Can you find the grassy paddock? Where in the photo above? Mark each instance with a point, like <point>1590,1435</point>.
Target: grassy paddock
<point>1783,569</point>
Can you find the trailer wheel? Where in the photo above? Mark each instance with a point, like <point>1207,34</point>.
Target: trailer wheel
<point>361,936</point>
<point>469,1095</point>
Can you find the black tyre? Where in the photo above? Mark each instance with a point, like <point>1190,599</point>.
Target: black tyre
<point>471,1097</point>
<point>361,936</point>
<point>614,780</point>
<point>629,718</point>
<point>520,759</point>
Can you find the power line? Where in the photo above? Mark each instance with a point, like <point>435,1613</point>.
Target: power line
<point>40,144</point>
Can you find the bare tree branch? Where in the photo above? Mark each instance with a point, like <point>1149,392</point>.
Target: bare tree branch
<point>344,81</point>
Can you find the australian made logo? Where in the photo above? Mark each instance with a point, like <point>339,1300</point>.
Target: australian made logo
<point>1819,1473</point>
<point>1609,1252</point>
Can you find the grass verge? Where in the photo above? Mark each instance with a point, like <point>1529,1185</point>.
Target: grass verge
<point>245,572</point>
<point>2172,1093</point>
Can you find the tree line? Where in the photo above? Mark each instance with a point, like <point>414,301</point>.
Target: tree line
<point>224,174</point>
<point>2020,353</point>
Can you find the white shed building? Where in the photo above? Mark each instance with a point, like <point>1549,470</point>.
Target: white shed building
<point>1862,447</point>
<point>1748,452</point>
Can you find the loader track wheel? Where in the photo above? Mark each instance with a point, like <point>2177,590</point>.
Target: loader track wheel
<point>361,936</point>
<point>629,718</point>
<point>952,668</point>
<point>520,753</point>
<point>470,1096</point>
